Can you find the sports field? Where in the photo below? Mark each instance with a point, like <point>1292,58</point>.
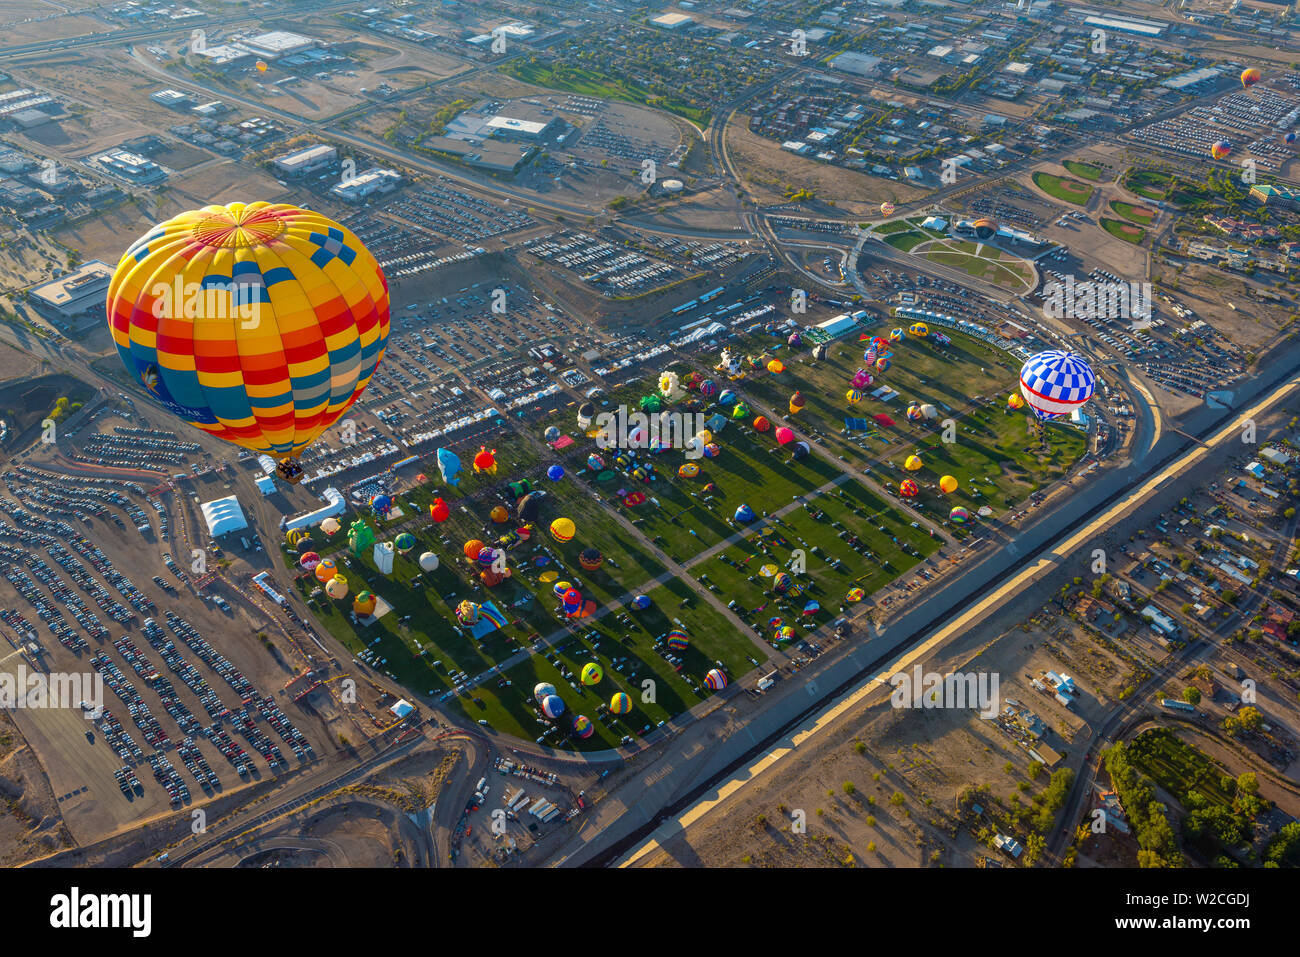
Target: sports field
<point>1064,188</point>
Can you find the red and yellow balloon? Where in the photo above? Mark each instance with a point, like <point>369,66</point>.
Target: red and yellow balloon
<point>259,323</point>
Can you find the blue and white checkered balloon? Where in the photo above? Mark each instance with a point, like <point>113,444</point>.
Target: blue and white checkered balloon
<point>1055,383</point>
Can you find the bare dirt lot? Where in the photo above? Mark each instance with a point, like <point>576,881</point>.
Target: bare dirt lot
<point>769,171</point>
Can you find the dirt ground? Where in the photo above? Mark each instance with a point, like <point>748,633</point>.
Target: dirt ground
<point>767,170</point>
<point>881,787</point>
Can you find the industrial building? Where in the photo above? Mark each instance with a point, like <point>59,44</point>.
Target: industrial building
<point>79,294</point>
<point>173,99</point>
<point>306,160</point>
<point>672,21</point>
<point>367,184</point>
<point>859,64</point>
<point>131,166</point>
<point>277,43</point>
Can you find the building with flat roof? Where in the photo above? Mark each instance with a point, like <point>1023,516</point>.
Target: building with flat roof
<point>672,21</point>
<point>306,160</point>
<point>492,155</point>
<point>83,290</point>
<point>172,98</point>
<point>131,166</point>
<point>278,43</point>
<point>367,184</point>
<point>859,64</point>
<point>224,54</point>
<point>520,129</point>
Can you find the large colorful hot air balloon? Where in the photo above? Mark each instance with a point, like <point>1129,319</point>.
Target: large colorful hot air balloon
<point>330,526</point>
<point>472,548</point>
<point>485,461</point>
<point>688,470</point>
<point>364,603</point>
<point>853,397</point>
<point>909,489</point>
<point>761,424</point>
<point>887,208</point>
<point>562,529</point>
<point>308,560</point>
<point>948,484</point>
<point>259,323</point>
<point>677,640</point>
<point>1249,77</point>
<point>439,510</point>
<point>428,562</point>
<point>715,680</point>
<point>918,329</point>
<point>861,379</point>
<point>1220,149</point>
<point>382,504</point>
<point>784,435</point>
<point>620,703</point>
<point>775,366</point>
<point>591,559</point>
<point>913,463</point>
<point>744,514</point>
<point>1016,401</point>
<point>325,570</point>
<point>797,402</point>
<point>337,587</point>
<point>959,515</point>
<point>592,674</point>
<point>1055,383</point>
<point>552,706</point>
<point>582,727</point>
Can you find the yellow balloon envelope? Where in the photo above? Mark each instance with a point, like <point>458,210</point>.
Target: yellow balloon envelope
<point>912,463</point>
<point>948,483</point>
<point>562,529</point>
<point>259,323</point>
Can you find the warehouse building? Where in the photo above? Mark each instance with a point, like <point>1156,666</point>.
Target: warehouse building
<point>306,160</point>
<point>367,184</point>
<point>76,298</point>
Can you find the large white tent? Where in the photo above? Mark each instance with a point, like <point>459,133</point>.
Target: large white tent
<point>223,515</point>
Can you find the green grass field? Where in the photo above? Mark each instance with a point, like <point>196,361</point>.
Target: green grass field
<point>849,535</point>
<point>1148,183</point>
<point>1088,171</point>
<point>1122,230</point>
<point>1142,215</point>
<point>1064,188</point>
<point>907,241</point>
<point>982,262</point>
<point>1179,767</point>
